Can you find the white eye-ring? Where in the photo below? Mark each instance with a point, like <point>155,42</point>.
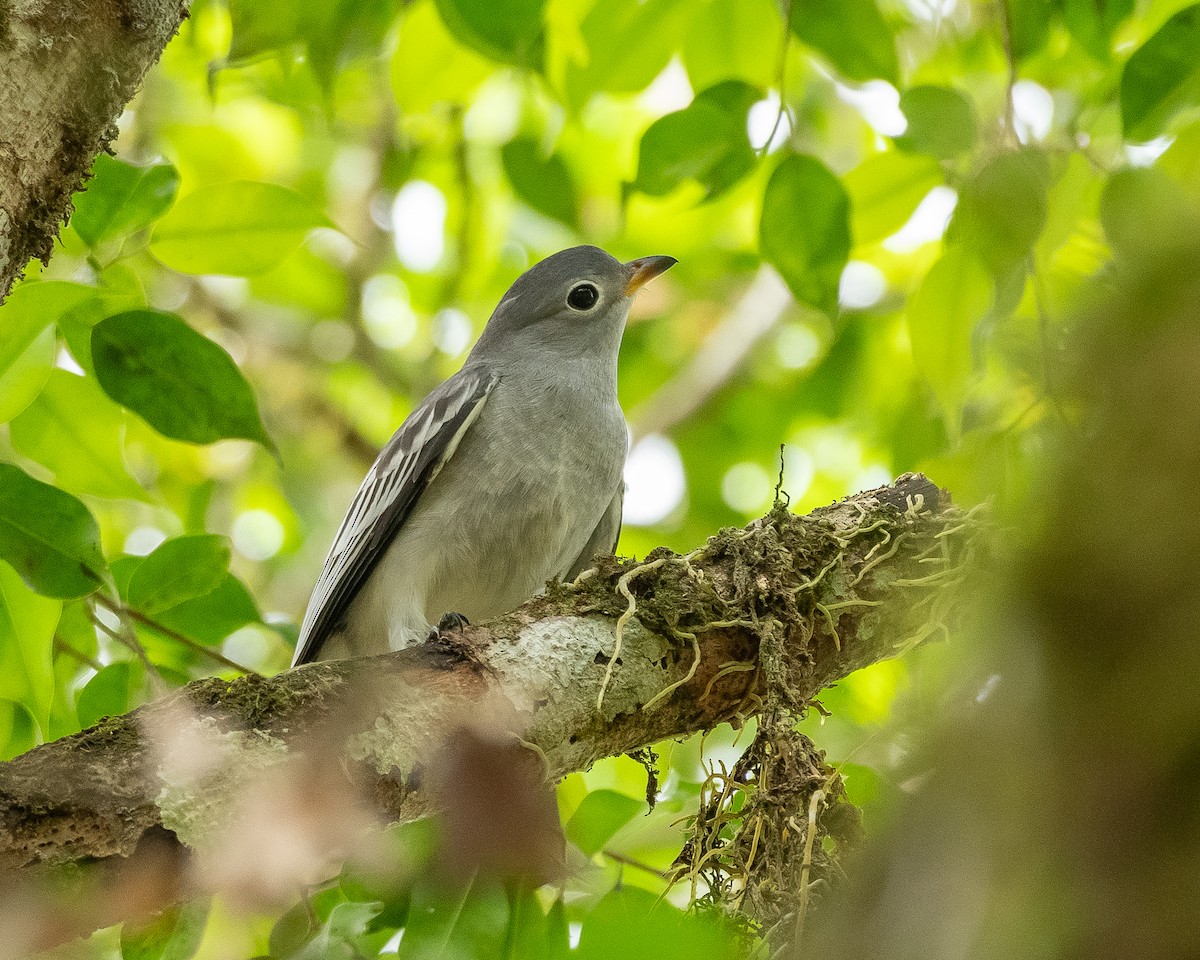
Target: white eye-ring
<point>583,297</point>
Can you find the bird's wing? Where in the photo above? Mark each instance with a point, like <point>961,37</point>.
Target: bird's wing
<point>604,538</point>
<point>411,459</point>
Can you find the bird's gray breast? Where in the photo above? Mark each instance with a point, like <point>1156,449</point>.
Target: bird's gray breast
<point>518,501</point>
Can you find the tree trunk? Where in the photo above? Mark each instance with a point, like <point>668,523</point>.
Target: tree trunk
<point>67,69</point>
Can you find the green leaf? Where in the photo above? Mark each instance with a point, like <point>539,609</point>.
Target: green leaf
<point>510,31</point>
<point>634,924</point>
<point>48,536</point>
<point>212,617</point>
<point>27,375</point>
<point>544,182</point>
<point>677,147</point>
<point>443,925</point>
<point>706,142</point>
<point>32,308</point>
<point>77,631</point>
<point>180,382</point>
<point>726,43</point>
<point>179,570</point>
<point>1182,160</point>
<point>805,229</point>
<point>175,934</point>
<point>262,26</point>
<point>1002,209</point>
<point>629,42</point>
<point>122,569</point>
<point>1028,25</point>
<point>852,35</point>
<point>27,623</point>
<point>601,814</point>
<point>1144,210</point>
<point>337,935</point>
<point>239,228</point>
<point>429,67</point>
<point>534,934</point>
<point>292,931</point>
<point>1092,23</point>
<point>28,344</point>
<point>1162,75</point>
<point>1071,204</point>
<point>941,122</point>
<point>114,690</point>
<point>122,198</point>
<point>349,29</point>
<point>331,32</point>
<point>953,298</point>
<point>884,191</point>
<point>18,729</point>
<point>76,431</point>
<point>119,290</point>
<point>558,932</point>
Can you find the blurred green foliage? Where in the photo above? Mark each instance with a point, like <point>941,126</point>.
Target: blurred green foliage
<point>310,214</point>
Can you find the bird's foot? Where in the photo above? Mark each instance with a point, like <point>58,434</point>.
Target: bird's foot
<point>450,623</point>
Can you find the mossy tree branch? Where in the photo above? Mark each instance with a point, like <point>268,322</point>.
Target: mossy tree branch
<point>630,654</point>
<point>787,602</point>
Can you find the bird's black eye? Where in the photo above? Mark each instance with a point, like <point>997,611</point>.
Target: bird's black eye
<point>583,297</point>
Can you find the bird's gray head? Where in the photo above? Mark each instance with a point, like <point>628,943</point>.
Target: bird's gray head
<point>573,302</point>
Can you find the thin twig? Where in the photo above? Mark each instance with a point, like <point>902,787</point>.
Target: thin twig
<point>61,646</point>
<point>137,616</point>
<point>781,76</point>
<point>466,184</point>
<point>127,638</point>
<point>188,642</point>
<point>1006,34</point>
<point>637,864</point>
<point>1039,295</point>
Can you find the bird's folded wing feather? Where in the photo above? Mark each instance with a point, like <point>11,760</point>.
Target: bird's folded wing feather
<point>411,459</point>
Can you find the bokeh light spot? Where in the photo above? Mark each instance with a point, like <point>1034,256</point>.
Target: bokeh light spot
<point>747,487</point>
<point>862,285</point>
<point>257,534</point>
<point>419,225</point>
<point>143,540</point>
<point>387,316</point>
<point>655,481</point>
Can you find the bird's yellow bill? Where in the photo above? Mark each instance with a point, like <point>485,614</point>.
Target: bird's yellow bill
<point>645,269</point>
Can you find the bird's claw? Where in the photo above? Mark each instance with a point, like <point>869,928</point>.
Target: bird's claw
<point>450,622</point>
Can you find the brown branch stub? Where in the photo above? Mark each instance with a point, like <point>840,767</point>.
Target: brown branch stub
<point>776,611</point>
<point>67,69</point>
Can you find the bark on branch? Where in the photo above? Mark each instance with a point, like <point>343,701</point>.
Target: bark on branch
<point>631,654</point>
<point>67,69</point>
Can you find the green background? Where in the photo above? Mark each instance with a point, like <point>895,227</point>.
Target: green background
<point>888,217</point>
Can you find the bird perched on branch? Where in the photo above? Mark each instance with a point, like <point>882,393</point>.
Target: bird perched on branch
<point>507,475</point>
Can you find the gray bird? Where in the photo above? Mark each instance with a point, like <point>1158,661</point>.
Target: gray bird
<point>507,475</point>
